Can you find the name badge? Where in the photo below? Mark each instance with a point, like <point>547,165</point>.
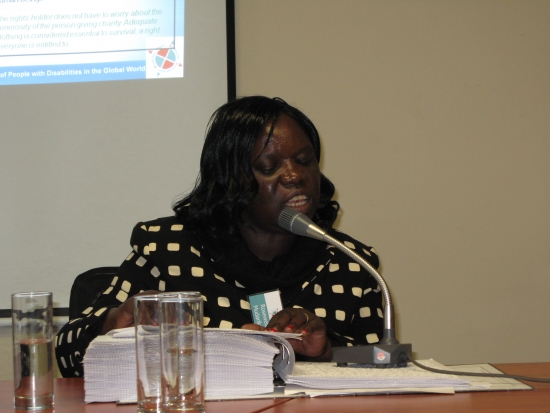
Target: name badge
<point>264,306</point>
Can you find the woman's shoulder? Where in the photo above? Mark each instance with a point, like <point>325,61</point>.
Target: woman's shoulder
<point>161,228</point>
<point>350,241</point>
<point>170,223</point>
<point>359,247</point>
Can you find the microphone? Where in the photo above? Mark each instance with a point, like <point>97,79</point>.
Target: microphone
<point>388,352</point>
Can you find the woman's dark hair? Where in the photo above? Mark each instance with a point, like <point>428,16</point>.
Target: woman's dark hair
<point>226,183</point>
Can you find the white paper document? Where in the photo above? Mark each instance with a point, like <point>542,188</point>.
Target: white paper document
<point>488,383</point>
<point>327,376</point>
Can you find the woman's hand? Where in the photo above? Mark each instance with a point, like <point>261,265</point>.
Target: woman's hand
<point>314,345</point>
<point>123,315</point>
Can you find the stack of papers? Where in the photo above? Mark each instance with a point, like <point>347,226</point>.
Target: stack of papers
<point>242,364</point>
<point>237,362</point>
<point>110,368</point>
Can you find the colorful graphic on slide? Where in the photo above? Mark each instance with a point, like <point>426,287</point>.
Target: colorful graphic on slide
<point>57,41</point>
<point>166,61</point>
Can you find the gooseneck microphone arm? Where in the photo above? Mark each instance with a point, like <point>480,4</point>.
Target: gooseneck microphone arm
<point>300,224</point>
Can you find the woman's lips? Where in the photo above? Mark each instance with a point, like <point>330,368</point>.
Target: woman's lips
<point>297,201</point>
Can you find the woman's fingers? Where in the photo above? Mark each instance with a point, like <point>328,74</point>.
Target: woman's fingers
<point>295,320</point>
<point>314,343</point>
<point>123,315</point>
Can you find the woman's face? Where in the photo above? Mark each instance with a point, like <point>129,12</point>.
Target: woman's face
<point>287,173</point>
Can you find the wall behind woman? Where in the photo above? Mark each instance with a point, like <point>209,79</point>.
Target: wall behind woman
<point>434,118</point>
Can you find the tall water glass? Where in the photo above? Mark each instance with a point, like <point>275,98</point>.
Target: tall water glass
<point>182,352</point>
<point>146,319</point>
<point>32,322</point>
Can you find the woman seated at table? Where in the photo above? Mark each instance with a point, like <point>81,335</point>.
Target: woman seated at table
<point>260,155</point>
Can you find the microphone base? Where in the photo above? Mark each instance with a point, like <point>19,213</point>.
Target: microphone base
<point>373,356</point>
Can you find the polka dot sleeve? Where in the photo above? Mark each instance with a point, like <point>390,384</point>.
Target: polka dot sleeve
<point>131,278</point>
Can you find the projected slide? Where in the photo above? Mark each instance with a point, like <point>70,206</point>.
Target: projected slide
<point>56,41</point>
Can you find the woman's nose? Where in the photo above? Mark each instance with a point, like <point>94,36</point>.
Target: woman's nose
<point>291,175</point>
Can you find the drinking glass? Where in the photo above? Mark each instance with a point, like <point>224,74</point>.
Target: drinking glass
<point>32,322</point>
<point>146,318</point>
<point>182,352</point>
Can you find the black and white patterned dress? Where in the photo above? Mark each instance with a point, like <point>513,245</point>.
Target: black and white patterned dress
<point>168,257</point>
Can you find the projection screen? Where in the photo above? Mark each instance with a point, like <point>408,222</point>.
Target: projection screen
<point>104,105</point>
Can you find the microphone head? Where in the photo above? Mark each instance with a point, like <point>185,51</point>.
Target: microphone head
<point>298,223</point>
<point>286,217</point>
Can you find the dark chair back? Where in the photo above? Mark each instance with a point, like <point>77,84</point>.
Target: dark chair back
<point>87,287</point>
